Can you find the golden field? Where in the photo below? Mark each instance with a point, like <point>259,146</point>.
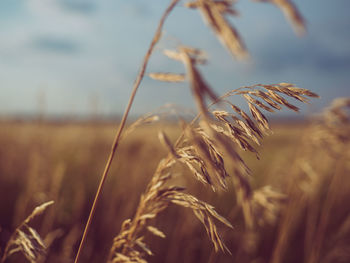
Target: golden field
<point>63,162</point>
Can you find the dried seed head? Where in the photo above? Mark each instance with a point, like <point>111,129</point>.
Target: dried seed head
<point>281,100</point>
<point>248,120</point>
<point>205,213</point>
<point>26,240</point>
<point>247,129</point>
<point>37,211</point>
<point>267,204</point>
<point>266,98</point>
<point>291,13</point>
<point>200,89</point>
<point>166,142</point>
<point>172,54</point>
<point>256,102</point>
<point>168,77</point>
<point>213,14</point>
<point>148,119</point>
<point>237,134</point>
<point>155,231</point>
<point>259,117</point>
<point>336,114</point>
<point>195,163</point>
<point>208,153</point>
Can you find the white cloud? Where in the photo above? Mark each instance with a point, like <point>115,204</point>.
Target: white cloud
<point>52,18</point>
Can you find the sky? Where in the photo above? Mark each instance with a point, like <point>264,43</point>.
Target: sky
<point>78,57</point>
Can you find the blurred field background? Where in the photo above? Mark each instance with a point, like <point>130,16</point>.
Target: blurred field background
<point>41,161</point>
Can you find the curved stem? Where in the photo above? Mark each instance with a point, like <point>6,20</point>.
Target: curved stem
<point>116,141</point>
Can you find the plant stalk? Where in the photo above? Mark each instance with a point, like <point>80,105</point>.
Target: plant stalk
<point>117,138</point>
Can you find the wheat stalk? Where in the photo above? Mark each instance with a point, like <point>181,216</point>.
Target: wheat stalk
<point>198,148</point>
<point>202,156</point>
<point>26,239</point>
<point>129,245</point>
<point>214,13</point>
<point>123,121</point>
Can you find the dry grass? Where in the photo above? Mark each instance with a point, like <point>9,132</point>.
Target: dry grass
<point>82,150</point>
<point>215,150</point>
<point>201,148</point>
<point>26,239</point>
<point>78,146</point>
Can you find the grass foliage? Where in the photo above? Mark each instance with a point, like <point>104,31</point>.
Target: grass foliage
<point>256,197</point>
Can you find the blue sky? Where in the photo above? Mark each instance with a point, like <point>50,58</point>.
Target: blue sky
<point>73,53</point>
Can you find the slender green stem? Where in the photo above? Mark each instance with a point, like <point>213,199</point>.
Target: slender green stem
<point>116,141</point>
